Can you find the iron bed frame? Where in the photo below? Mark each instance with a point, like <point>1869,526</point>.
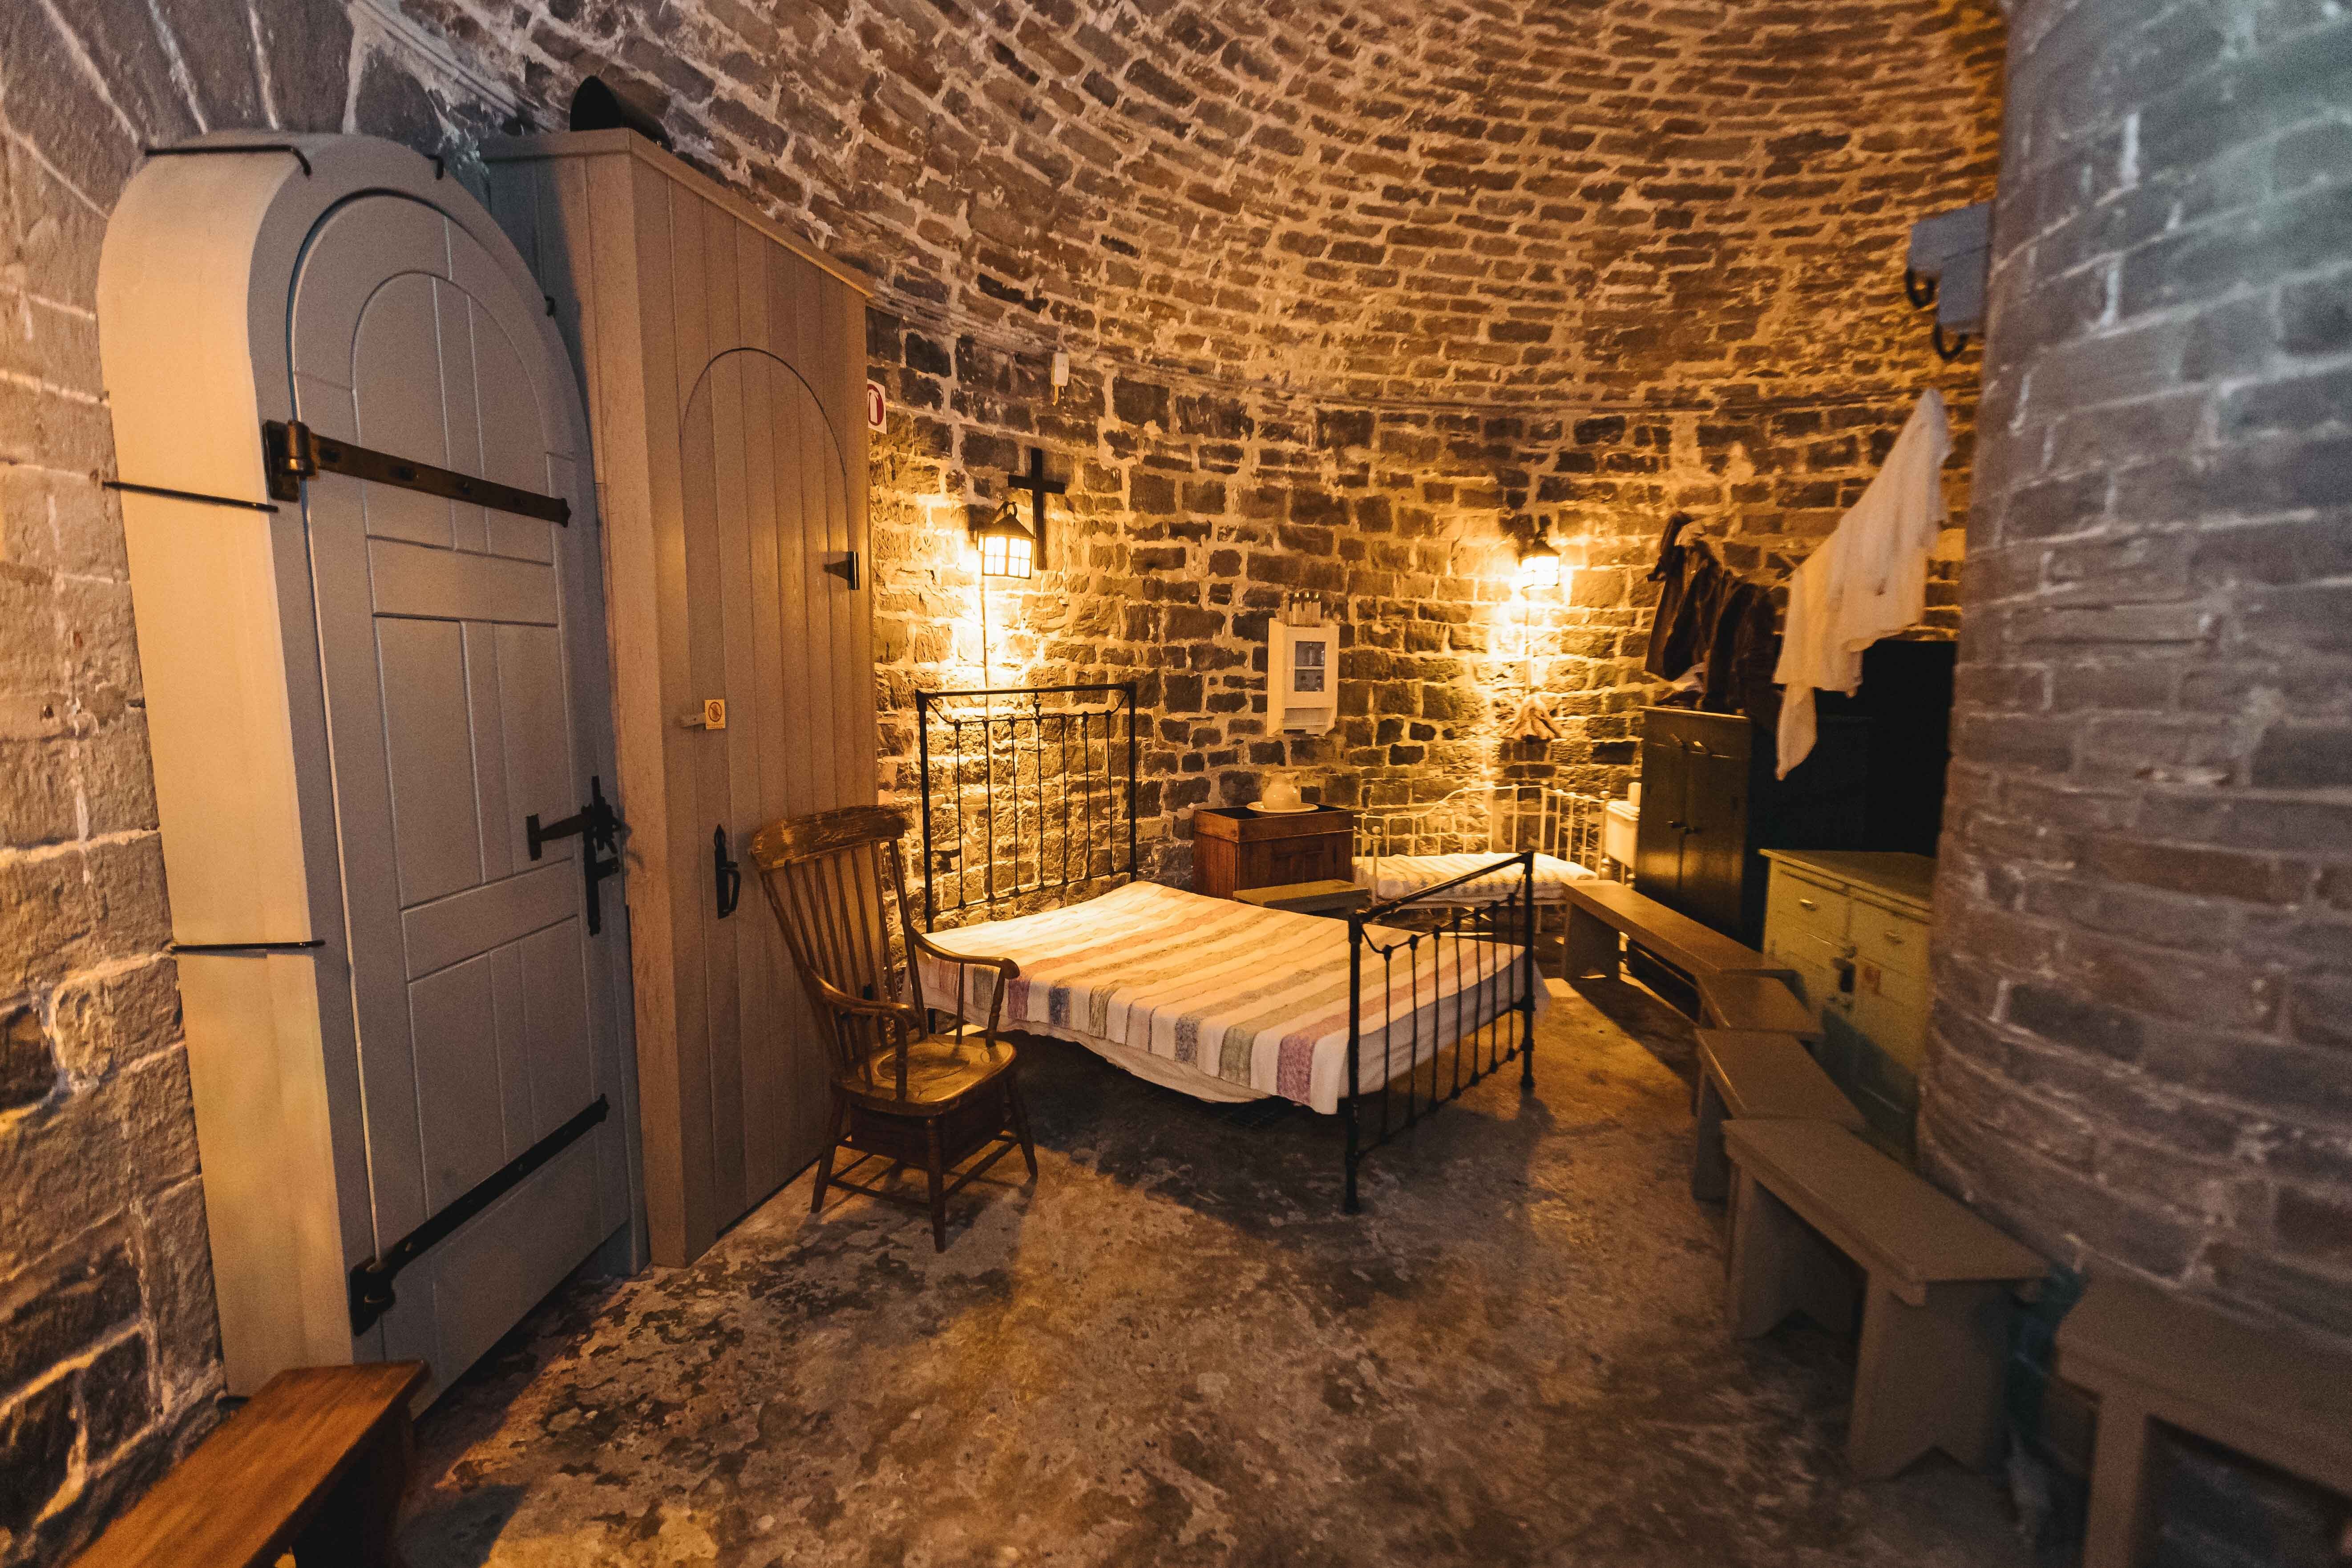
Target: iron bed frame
<point>1068,823</point>
<point>1500,819</point>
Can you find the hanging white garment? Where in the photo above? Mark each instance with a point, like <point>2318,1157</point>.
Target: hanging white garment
<point>1867,580</point>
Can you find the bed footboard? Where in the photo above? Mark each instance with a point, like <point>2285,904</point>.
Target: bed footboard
<point>1448,1042</point>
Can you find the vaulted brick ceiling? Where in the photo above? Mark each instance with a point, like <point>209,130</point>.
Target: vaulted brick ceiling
<point>1489,202</point>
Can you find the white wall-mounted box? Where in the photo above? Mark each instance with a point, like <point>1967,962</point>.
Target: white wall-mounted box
<point>1302,678</point>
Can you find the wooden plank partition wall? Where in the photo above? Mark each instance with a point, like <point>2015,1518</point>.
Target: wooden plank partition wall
<point>725,367</point>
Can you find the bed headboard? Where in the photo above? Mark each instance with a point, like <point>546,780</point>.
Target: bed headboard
<point>1028,793</point>
<point>1499,819</point>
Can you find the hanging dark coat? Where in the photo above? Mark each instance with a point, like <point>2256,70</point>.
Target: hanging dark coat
<point>1691,593</point>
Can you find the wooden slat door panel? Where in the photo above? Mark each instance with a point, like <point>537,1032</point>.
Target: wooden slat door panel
<point>725,374</point>
<point>459,703</point>
<point>764,509</point>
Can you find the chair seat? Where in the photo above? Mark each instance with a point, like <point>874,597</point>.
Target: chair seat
<point>941,1068</point>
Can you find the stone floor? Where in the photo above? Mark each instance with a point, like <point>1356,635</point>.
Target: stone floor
<point>1173,1349</point>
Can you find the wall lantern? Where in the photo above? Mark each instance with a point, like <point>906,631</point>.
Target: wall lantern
<point>1540,567</point>
<point>1006,548</point>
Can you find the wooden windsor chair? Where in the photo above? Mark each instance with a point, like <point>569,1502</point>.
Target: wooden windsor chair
<point>904,1091</point>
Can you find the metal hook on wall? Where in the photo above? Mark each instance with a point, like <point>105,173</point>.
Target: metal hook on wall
<point>1920,291</point>
<point>1951,350</point>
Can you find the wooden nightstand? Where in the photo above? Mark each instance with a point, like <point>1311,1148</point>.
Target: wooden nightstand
<point>1235,848</point>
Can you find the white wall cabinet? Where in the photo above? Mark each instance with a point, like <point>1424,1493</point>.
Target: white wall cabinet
<point>1302,678</point>
<point>725,365</point>
<point>1855,926</point>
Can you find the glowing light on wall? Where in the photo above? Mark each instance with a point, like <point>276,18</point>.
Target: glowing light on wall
<point>1006,548</point>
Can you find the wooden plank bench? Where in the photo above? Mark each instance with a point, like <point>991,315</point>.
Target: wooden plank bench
<point>315,1464</point>
<point>1758,1075</point>
<point>1936,1304</point>
<point>1325,898</point>
<point>2150,1355</point>
<point>1756,1001</point>
<point>1598,911</point>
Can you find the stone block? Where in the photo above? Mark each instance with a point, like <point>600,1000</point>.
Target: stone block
<point>118,1397</point>
<point>116,1016</point>
<point>44,919</point>
<point>28,1063</point>
<point>1139,402</point>
<point>38,797</point>
<point>38,1433</point>
<point>57,1307</point>
<point>2061,1016</point>
<point>2315,315</point>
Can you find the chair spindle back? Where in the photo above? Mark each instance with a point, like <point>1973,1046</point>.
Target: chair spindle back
<point>837,883</point>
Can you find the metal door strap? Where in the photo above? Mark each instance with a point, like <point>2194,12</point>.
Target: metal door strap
<point>247,946</point>
<point>183,495</point>
<point>370,1282</point>
<point>291,452</point>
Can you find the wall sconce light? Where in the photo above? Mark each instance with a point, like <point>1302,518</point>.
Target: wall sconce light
<point>1540,567</point>
<point>1006,549</point>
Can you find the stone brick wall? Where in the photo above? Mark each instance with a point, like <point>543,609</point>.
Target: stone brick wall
<point>2140,1056</point>
<point>108,1359</point>
<point>1192,513</point>
<point>1359,300</point>
<point>1413,284</point>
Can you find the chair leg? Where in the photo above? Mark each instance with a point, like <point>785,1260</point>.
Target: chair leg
<point>824,1161</point>
<point>1021,1121</point>
<point>938,1187</point>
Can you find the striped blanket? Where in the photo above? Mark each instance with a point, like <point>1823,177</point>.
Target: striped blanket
<point>1254,999</point>
<point>1399,876</point>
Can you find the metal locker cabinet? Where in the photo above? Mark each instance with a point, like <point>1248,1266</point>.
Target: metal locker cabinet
<point>725,365</point>
<point>407,1031</point>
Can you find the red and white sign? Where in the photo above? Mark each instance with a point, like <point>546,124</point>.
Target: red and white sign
<point>876,408</point>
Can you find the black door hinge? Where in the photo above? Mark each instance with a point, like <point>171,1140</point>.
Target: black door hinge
<point>293,452</point>
<point>369,1288</point>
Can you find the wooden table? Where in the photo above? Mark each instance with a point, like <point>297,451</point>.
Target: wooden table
<point>1235,848</point>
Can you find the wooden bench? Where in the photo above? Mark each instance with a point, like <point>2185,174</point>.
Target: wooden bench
<point>1325,898</point>
<point>1757,1075</point>
<point>1756,1001</point>
<point>1598,911</point>
<point>1936,1304</point>
<point>2272,1395</point>
<point>315,1464</point>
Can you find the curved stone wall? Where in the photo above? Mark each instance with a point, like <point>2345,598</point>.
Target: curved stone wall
<point>1403,200</point>
<point>2146,907</point>
<point>1359,300</point>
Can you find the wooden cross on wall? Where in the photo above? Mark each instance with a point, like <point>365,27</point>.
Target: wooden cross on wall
<point>1039,486</point>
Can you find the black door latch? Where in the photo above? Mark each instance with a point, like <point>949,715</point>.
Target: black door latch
<point>725,872</point>
<point>599,828</point>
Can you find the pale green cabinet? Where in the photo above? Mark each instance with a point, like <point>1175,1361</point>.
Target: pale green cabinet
<point>1853,927</point>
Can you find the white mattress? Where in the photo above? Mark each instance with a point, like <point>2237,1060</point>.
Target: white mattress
<point>1396,876</point>
<point>1229,1001</point>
